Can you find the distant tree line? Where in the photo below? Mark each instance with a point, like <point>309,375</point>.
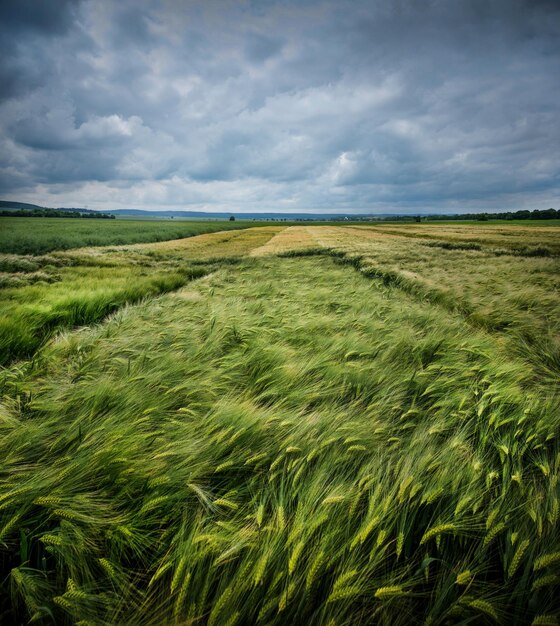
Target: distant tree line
<point>54,213</point>
<point>537,214</point>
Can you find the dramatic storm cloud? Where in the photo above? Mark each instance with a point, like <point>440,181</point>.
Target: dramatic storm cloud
<point>380,105</point>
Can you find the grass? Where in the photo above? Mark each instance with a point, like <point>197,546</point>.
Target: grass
<point>26,235</point>
<point>511,294</point>
<point>40,295</point>
<point>313,432</point>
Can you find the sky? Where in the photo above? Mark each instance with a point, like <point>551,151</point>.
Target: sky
<point>343,106</point>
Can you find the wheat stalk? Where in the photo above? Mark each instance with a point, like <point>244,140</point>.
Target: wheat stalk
<point>546,581</point>
<point>50,501</point>
<point>314,570</point>
<point>182,595</point>
<point>218,607</point>
<point>363,534</point>
<point>546,560</point>
<point>484,607</point>
<point>260,569</point>
<point>281,518</point>
<point>292,563</point>
<point>436,531</point>
<point>400,543</point>
<point>516,561</point>
<point>545,620</point>
<point>391,591</point>
<point>228,504</point>
<point>8,528</point>
<point>178,575</point>
<point>286,596</point>
<point>493,533</point>
<point>343,593</point>
<point>464,578</point>
<point>333,500</point>
<point>233,619</point>
<point>63,602</point>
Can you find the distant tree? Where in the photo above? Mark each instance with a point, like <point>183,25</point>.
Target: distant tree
<point>418,218</point>
<point>232,218</point>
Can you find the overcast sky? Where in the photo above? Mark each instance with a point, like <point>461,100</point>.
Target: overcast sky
<point>332,106</point>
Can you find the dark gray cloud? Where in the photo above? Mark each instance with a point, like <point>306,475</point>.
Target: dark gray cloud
<point>370,105</point>
<point>49,17</point>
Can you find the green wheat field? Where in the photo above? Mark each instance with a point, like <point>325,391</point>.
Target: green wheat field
<point>314,424</point>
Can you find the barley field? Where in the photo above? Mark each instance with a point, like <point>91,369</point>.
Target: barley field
<point>325,425</point>
<point>40,235</point>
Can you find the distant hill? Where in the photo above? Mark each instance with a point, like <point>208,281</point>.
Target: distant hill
<point>9,208</point>
<point>226,215</point>
<point>9,204</point>
<point>24,206</point>
<point>12,205</point>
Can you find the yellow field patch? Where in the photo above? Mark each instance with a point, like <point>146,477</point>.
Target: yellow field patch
<point>491,235</point>
<point>224,243</point>
<point>291,238</point>
<point>210,245</point>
